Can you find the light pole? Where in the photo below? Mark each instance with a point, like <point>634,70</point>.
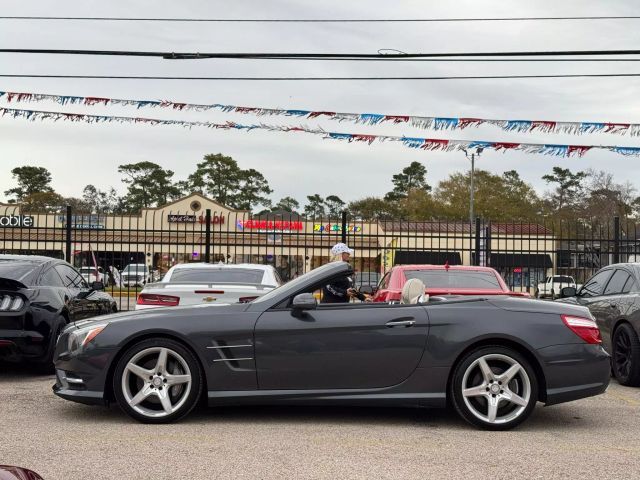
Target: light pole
<point>471,189</point>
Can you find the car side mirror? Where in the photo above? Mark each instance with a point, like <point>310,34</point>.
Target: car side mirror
<point>568,292</point>
<point>303,302</point>
<point>97,286</point>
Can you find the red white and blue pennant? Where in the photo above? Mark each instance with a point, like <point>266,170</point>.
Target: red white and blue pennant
<point>428,144</point>
<point>423,122</point>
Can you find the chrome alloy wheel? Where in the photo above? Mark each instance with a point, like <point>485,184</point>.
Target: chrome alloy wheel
<point>496,389</point>
<point>156,382</point>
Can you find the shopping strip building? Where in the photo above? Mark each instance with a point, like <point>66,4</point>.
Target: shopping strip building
<point>177,233</point>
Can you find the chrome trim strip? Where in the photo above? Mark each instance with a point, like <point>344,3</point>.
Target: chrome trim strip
<point>232,359</point>
<point>232,346</point>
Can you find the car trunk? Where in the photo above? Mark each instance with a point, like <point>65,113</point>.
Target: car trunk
<point>202,293</point>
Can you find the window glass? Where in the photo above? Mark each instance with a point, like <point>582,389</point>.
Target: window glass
<point>50,278</point>
<point>563,279</point>
<point>70,277</point>
<point>616,283</point>
<point>384,283</point>
<point>630,286</point>
<point>17,270</point>
<point>215,275</point>
<point>455,279</point>
<point>595,285</point>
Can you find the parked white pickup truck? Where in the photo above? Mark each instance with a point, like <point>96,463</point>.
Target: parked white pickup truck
<point>552,286</point>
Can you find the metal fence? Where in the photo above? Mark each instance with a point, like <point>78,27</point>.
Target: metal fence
<point>523,253</point>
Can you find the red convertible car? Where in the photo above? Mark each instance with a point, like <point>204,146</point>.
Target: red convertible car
<point>443,280</point>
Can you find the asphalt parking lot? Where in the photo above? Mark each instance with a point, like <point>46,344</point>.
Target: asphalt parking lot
<point>593,438</point>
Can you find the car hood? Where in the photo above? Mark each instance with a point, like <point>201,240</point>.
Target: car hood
<point>134,315</point>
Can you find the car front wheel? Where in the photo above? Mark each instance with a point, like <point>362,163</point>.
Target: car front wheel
<point>157,381</point>
<point>626,356</point>
<point>494,388</point>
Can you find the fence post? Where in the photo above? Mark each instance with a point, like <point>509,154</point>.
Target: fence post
<point>68,236</point>
<point>616,239</point>
<point>477,252</point>
<point>344,227</point>
<point>207,235</point>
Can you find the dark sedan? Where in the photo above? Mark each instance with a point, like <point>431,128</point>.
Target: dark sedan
<point>492,358</point>
<point>39,296</point>
<point>613,297</point>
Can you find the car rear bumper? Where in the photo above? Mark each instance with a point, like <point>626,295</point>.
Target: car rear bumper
<point>19,344</point>
<point>575,371</point>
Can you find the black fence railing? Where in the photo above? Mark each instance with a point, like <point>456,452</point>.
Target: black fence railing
<point>524,253</point>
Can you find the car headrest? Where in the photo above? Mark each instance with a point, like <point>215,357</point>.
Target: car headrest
<point>412,291</point>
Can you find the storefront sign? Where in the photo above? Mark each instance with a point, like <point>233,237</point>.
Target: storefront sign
<point>181,218</point>
<point>19,221</point>
<point>86,222</point>
<point>270,225</point>
<point>329,228</point>
<point>175,218</point>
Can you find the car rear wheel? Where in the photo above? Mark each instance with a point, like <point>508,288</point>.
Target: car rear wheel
<point>494,388</point>
<point>626,356</point>
<point>157,381</point>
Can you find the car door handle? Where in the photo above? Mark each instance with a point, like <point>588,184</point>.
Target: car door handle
<point>400,323</point>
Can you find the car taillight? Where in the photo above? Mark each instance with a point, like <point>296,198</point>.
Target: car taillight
<point>11,303</point>
<point>247,299</point>
<point>158,300</point>
<point>585,328</point>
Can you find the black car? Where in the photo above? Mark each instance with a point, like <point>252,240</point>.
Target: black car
<point>492,358</point>
<point>39,296</point>
<point>613,297</point>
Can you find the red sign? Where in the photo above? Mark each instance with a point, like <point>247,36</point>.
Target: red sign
<point>282,225</point>
<point>215,219</point>
<point>517,270</point>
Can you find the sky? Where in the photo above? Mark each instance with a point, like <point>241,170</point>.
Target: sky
<point>298,164</point>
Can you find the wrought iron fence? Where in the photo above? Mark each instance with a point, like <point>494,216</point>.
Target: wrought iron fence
<point>523,253</point>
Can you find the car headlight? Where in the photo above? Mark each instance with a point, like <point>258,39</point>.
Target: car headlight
<point>78,339</point>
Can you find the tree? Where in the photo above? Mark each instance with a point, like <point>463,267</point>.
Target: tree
<point>30,180</point>
<point>335,205</point>
<point>315,206</point>
<point>411,177</point>
<point>252,190</point>
<point>569,187</point>
<point>497,197</point>
<point>604,198</point>
<point>101,201</point>
<point>287,204</point>
<point>217,176</point>
<point>44,202</point>
<point>148,183</point>
<point>373,208</point>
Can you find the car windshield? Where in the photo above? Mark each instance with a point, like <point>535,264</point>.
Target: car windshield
<point>295,284</point>
<point>135,269</point>
<point>455,279</point>
<point>217,275</point>
<point>562,279</point>
<point>15,270</point>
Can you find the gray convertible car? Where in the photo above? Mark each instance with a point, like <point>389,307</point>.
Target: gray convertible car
<point>492,359</point>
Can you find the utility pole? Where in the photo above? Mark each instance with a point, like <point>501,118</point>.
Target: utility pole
<point>471,189</point>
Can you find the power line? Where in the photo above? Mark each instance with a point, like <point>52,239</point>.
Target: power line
<point>275,79</point>
<point>315,56</point>
<point>322,20</point>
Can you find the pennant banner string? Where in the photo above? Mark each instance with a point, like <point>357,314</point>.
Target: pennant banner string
<point>434,123</point>
<point>410,142</point>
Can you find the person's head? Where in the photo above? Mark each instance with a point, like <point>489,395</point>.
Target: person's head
<point>342,252</point>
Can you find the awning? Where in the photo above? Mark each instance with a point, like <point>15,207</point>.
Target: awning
<point>421,257</point>
<point>520,260</point>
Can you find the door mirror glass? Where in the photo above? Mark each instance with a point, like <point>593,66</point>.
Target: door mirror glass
<point>304,301</point>
<point>568,292</point>
<point>97,286</point>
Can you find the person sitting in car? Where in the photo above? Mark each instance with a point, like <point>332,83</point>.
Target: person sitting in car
<point>342,289</point>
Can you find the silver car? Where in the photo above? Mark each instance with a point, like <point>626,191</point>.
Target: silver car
<point>204,283</point>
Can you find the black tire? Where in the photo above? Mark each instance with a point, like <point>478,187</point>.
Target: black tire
<point>508,414</point>
<point>185,364</point>
<point>625,359</point>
